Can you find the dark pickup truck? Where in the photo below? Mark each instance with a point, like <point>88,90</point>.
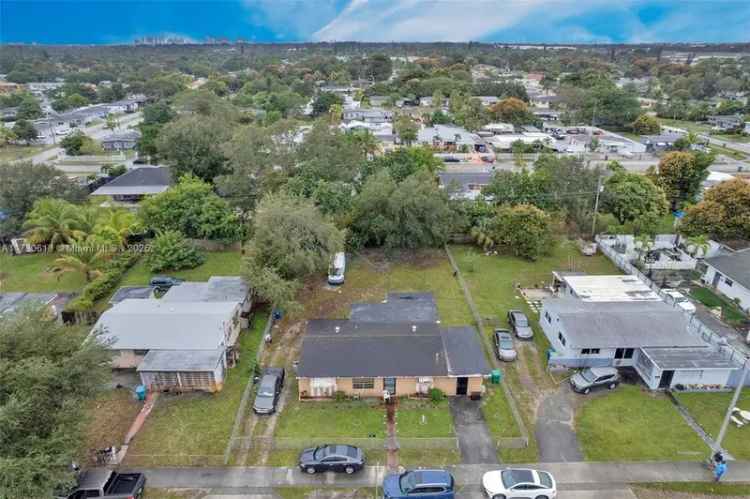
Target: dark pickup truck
<point>102,482</point>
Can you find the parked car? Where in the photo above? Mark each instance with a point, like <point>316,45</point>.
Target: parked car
<point>337,269</point>
<point>520,324</point>
<point>591,377</point>
<point>504,345</point>
<point>163,282</point>
<point>103,482</point>
<point>674,297</point>
<point>517,483</point>
<point>427,484</point>
<point>451,159</point>
<point>269,390</point>
<point>340,458</point>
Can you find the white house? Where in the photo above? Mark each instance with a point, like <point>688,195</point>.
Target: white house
<point>730,275</point>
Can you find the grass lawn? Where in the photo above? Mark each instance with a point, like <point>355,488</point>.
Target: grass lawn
<point>630,424</point>
<point>708,488</point>
<point>691,126</point>
<point>730,312</point>
<point>328,493</point>
<point>708,409</point>
<point>197,424</point>
<point>330,419</point>
<point>438,421</point>
<point>742,139</point>
<point>13,152</point>
<point>109,417</point>
<point>728,151</point>
<point>217,263</point>
<point>497,413</point>
<point>32,273</point>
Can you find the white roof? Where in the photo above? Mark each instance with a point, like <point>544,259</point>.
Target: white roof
<point>217,289</point>
<point>610,288</point>
<point>447,133</point>
<point>139,324</point>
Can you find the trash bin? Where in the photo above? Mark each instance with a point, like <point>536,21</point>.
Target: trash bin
<point>140,392</point>
<point>496,376</point>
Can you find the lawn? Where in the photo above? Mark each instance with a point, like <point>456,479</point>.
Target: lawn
<point>32,273</point>
<point>728,151</point>
<point>497,414</point>
<point>199,424</point>
<point>730,312</point>
<point>707,488</point>
<point>708,409</point>
<point>691,126</point>
<point>12,152</point>
<point>108,420</point>
<point>742,139</point>
<point>631,424</point>
<point>217,263</point>
<point>330,419</point>
<point>437,423</point>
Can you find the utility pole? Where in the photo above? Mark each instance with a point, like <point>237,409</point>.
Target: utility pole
<point>596,206</point>
<point>733,404</point>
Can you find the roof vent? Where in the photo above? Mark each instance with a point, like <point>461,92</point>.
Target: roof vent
<point>337,329</point>
<point>413,328</point>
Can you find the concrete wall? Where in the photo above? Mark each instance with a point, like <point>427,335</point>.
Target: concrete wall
<point>736,290</point>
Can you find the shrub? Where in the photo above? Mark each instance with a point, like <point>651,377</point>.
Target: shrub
<point>340,396</point>
<point>171,251</point>
<point>104,284</point>
<point>436,395</point>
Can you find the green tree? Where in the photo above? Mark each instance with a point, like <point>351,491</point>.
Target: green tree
<point>723,213</point>
<point>192,208</point>
<point>157,113</point>
<point>322,104</point>
<point>646,125</point>
<point>29,108</point>
<point>512,110</point>
<point>193,144</point>
<point>290,240</point>
<point>22,184</point>
<point>414,213</point>
<point>523,229</point>
<point>404,162</point>
<point>406,129</point>
<point>112,123</point>
<point>24,130</point>
<point>171,251</point>
<point>629,196</point>
<point>680,175</point>
<point>55,222</point>
<point>87,261</point>
<point>378,67</point>
<point>75,101</point>
<point>115,226</point>
<point>77,144</point>
<point>48,375</point>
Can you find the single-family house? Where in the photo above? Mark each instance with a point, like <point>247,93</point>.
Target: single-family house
<point>368,115</point>
<point>124,106</point>
<point>464,185</point>
<point>487,100</point>
<point>451,138</point>
<point>730,275</point>
<point>660,142</point>
<point>649,336</point>
<point>135,184</point>
<point>396,347</point>
<point>730,122</point>
<point>232,289</point>
<point>152,333</point>
<point>499,128</point>
<point>542,101</point>
<point>601,288</point>
<point>378,100</point>
<point>121,141</point>
<point>54,303</point>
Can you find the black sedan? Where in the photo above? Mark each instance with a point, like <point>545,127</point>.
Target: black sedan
<point>338,458</point>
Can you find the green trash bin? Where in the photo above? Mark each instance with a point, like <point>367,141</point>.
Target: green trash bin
<point>496,376</point>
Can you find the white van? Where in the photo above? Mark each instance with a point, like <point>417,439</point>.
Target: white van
<point>336,271</point>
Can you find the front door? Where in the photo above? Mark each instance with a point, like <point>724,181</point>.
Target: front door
<point>666,379</point>
<point>717,278</point>
<point>462,386</point>
<point>389,385</point>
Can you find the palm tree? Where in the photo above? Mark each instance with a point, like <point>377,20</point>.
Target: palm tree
<point>116,226</point>
<point>698,244</point>
<point>85,262</point>
<point>54,222</point>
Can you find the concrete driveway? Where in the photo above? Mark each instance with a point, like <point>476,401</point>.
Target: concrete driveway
<point>474,439</point>
<point>555,434</point>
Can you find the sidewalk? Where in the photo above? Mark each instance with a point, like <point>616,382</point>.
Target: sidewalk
<point>566,474</point>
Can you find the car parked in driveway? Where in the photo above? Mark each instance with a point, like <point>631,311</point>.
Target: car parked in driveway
<point>592,377</point>
<point>163,282</point>
<point>504,348</point>
<point>519,323</point>
<point>339,458</point>
<point>675,298</point>
<point>518,483</point>
<point>269,390</point>
<point>427,484</point>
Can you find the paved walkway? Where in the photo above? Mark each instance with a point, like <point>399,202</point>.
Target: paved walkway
<point>474,440</point>
<point>568,475</point>
<point>554,431</point>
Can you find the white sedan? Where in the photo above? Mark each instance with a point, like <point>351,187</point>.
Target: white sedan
<point>515,483</point>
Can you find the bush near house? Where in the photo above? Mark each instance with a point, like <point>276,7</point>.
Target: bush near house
<point>105,283</point>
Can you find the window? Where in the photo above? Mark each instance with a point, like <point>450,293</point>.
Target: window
<point>624,353</point>
<point>590,351</point>
<point>629,353</point>
<point>585,351</point>
<point>561,338</point>
<point>728,282</point>
<point>546,316</point>
<point>363,383</point>
<point>140,352</point>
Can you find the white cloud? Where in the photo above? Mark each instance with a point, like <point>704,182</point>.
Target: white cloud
<point>292,18</point>
<point>446,20</point>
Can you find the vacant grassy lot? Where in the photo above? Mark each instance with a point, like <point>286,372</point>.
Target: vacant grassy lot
<point>33,274</point>
<point>13,152</point>
<point>631,424</point>
<point>217,263</point>
<point>108,420</point>
<point>730,312</point>
<point>198,424</point>
<point>708,409</point>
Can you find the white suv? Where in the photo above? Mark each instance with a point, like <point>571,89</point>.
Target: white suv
<point>674,297</point>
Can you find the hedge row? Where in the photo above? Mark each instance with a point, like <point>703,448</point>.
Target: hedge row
<point>104,284</point>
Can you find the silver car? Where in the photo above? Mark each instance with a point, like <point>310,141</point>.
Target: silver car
<point>591,377</point>
<point>520,324</point>
<point>504,345</point>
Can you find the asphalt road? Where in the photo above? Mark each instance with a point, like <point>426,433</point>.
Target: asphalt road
<point>96,132</point>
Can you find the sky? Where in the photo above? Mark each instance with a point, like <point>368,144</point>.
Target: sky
<point>520,21</point>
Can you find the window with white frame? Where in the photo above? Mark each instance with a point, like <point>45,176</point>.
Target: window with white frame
<point>561,338</point>
<point>363,383</point>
